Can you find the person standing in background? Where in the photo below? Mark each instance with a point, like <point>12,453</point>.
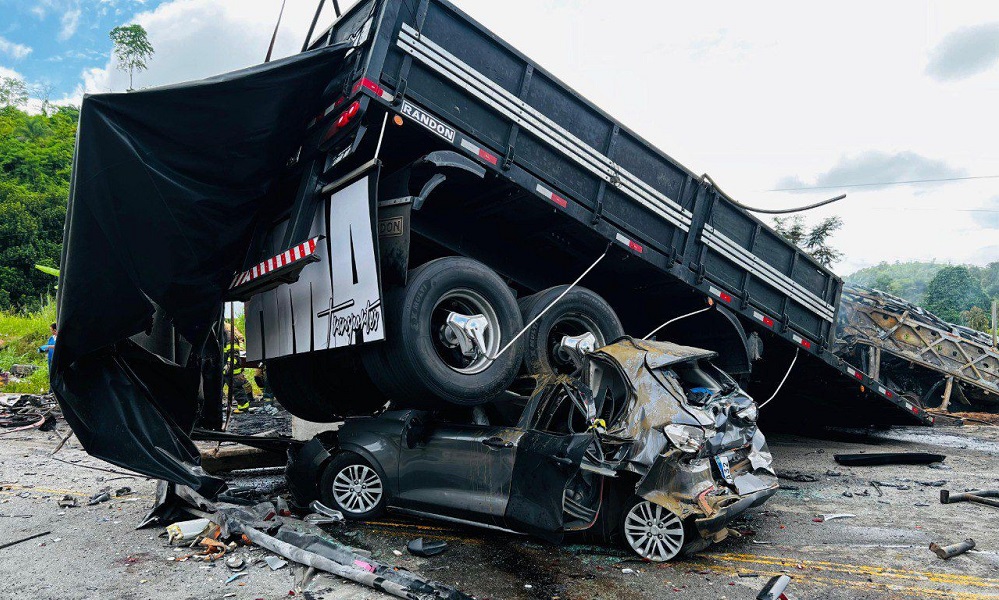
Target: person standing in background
<point>50,345</point>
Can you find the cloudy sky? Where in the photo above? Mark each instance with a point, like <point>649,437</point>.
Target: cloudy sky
<point>783,103</point>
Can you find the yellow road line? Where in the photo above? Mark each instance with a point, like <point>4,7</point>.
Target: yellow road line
<point>940,578</point>
<point>803,579</point>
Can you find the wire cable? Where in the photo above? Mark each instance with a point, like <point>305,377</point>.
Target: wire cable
<point>781,384</point>
<point>706,179</point>
<point>547,308</point>
<point>675,319</point>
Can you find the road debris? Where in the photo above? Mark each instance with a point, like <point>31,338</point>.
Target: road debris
<point>30,537</point>
<point>833,517</point>
<point>420,547</point>
<point>774,589</point>
<point>797,476</point>
<point>68,501</point>
<point>275,562</point>
<point>235,563</point>
<point>987,497</point>
<point>101,496</point>
<point>946,552</point>
<point>235,577</point>
<point>187,531</point>
<point>888,458</point>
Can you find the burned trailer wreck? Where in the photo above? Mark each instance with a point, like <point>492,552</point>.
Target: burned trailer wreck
<point>651,446</point>
<point>937,364</point>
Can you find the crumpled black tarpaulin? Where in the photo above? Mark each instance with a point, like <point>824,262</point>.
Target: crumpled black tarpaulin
<point>167,183</point>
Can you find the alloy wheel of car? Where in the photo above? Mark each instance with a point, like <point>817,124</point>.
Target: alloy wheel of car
<point>653,532</point>
<point>357,489</point>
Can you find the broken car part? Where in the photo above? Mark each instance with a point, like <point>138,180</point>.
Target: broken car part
<point>25,539</point>
<point>888,458</point>
<point>426,548</point>
<point>774,589</point>
<point>946,552</point>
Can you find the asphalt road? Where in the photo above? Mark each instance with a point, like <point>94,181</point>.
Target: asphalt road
<point>881,552</point>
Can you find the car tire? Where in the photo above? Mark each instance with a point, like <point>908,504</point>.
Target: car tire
<point>348,485</point>
<point>650,530</point>
<point>580,311</point>
<point>324,386</point>
<point>415,366</point>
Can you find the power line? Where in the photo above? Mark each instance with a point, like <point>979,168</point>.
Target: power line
<point>881,183</point>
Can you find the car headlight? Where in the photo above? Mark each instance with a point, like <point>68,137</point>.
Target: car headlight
<point>687,438</point>
<point>749,414</point>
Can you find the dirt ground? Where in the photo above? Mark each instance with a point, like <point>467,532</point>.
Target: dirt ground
<point>881,552</point>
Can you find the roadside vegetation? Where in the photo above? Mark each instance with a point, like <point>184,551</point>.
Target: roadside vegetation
<point>21,334</point>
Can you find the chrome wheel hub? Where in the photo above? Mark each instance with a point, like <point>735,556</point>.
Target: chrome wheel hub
<point>653,532</point>
<point>357,488</point>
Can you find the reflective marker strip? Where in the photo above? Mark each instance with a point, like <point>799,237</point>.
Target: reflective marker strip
<point>374,87</point>
<point>629,243</point>
<point>287,257</point>
<point>326,112</point>
<point>727,298</point>
<point>484,155</point>
<point>547,193</point>
<point>800,340</point>
<point>855,373</point>
<point>763,318</point>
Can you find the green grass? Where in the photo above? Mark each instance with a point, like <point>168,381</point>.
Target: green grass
<point>21,334</point>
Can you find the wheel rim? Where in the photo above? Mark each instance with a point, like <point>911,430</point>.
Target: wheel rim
<point>468,303</point>
<point>570,325</point>
<point>653,532</point>
<point>357,489</point>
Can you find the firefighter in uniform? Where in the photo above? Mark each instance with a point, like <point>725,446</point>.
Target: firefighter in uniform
<point>234,377</point>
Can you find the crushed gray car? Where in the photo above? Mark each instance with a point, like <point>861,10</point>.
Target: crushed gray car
<point>650,446</point>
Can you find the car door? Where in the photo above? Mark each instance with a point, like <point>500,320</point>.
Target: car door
<point>550,491</point>
<point>460,470</point>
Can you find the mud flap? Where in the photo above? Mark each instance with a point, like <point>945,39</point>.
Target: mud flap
<point>546,464</point>
<point>336,301</point>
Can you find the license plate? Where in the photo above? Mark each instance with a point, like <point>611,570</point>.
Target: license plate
<point>723,468</point>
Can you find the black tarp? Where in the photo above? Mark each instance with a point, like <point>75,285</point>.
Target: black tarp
<point>167,184</point>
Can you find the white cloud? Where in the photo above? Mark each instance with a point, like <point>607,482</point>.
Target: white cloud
<point>14,50</point>
<point>69,22</point>
<point>965,52</point>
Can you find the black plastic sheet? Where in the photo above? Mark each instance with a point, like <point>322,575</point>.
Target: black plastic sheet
<point>167,185</point>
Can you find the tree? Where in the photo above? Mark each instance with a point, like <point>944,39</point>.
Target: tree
<point>13,92</point>
<point>131,49</point>
<point>815,241</point>
<point>952,291</point>
<point>976,318</point>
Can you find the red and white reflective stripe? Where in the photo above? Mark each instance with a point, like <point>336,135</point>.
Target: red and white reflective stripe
<point>724,297</point>
<point>327,112</point>
<point>630,243</point>
<point>800,340</point>
<point>374,87</point>
<point>547,193</point>
<point>480,152</point>
<point>763,319</point>
<point>885,391</point>
<point>855,373</point>
<point>286,258</point>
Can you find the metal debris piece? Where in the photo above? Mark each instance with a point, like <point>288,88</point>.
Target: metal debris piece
<point>833,517</point>
<point>99,497</point>
<point>987,497</point>
<point>946,552</point>
<point>124,491</point>
<point>275,562</point>
<point>797,476</point>
<point>888,458</point>
<point>30,537</point>
<point>235,563</point>
<point>420,547</point>
<point>236,576</point>
<point>68,501</point>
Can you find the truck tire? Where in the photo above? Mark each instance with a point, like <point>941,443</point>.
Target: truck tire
<point>417,365</point>
<point>324,386</point>
<point>579,312</point>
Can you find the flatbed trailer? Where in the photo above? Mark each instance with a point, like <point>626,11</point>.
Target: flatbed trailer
<point>547,182</point>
